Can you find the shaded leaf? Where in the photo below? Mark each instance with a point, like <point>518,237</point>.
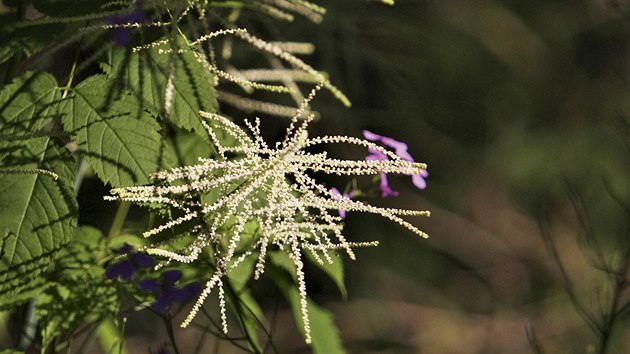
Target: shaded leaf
<point>334,270</point>
<point>28,39</point>
<point>25,104</point>
<point>65,8</point>
<point>81,293</point>
<point>10,3</point>
<point>190,147</point>
<point>146,74</point>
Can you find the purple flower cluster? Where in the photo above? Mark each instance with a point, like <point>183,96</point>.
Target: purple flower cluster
<point>400,149</point>
<point>126,268</point>
<point>339,195</point>
<point>165,290</point>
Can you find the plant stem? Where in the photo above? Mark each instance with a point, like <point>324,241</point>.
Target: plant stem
<point>171,334</point>
<point>119,219</point>
<point>610,318</point>
<point>30,327</point>
<point>108,337</point>
<point>107,333</point>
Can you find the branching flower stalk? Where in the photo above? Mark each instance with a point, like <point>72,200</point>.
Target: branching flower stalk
<point>271,188</point>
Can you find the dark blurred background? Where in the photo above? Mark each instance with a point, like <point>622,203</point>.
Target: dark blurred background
<point>520,108</point>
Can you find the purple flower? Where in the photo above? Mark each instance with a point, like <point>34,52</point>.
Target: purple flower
<point>400,149</point>
<point>166,292</point>
<point>386,190</point>
<point>122,35</point>
<point>338,196</point>
<point>126,268</point>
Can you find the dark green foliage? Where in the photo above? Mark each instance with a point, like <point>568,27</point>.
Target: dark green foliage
<point>146,74</point>
<point>68,8</point>
<point>78,291</point>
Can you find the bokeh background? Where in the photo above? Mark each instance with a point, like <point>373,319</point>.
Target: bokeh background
<point>521,110</point>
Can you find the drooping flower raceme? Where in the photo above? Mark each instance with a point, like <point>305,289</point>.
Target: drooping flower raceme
<point>272,188</point>
<point>400,149</point>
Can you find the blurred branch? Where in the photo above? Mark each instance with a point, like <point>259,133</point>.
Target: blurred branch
<point>567,283</point>
<point>533,340</point>
<point>611,308</point>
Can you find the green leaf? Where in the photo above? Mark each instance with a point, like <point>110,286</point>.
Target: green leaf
<point>80,291</point>
<point>37,212</point>
<point>324,333</point>
<point>6,52</point>
<point>244,305</point>
<point>11,351</point>
<point>111,336</point>
<point>190,147</point>
<point>85,252</point>
<point>334,270</point>
<point>119,139</point>
<point>25,293</point>
<point>26,38</point>
<point>283,261</point>
<point>147,72</point>
<point>66,8</point>
<point>25,104</point>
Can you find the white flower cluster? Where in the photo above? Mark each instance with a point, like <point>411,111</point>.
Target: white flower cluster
<point>268,186</point>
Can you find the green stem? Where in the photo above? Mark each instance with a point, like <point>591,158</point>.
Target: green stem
<point>240,311</point>
<point>171,335</point>
<point>119,219</point>
<point>109,337</point>
<point>108,334</point>
<point>29,331</point>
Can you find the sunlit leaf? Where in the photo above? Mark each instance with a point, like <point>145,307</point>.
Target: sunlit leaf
<point>11,351</point>
<point>37,212</point>
<point>119,139</point>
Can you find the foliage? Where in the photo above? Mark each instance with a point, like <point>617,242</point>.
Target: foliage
<point>137,109</point>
